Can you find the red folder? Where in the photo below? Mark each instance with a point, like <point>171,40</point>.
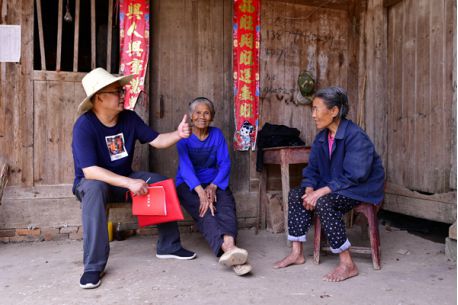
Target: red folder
<point>152,203</point>
<point>174,212</point>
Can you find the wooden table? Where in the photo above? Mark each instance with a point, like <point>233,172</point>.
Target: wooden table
<point>283,156</point>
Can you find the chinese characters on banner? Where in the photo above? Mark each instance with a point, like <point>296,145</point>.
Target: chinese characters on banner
<point>246,37</point>
<point>134,46</point>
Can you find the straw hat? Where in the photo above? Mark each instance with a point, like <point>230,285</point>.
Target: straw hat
<point>96,80</point>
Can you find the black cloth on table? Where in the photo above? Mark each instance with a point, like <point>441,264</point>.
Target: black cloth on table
<point>272,135</point>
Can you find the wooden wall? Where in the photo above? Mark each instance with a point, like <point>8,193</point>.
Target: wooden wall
<point>16,100</point>
<point>191,57</point>
<point>420,88</point>
<point>321,37</point>
<point>297,37</point>
<point>395,60</point>
<point>421,116</point>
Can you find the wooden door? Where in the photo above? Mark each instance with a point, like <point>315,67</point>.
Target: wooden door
<point>421,118</point>
<point>56,97</point>
<point>421,106</point>
<point>190,57</point>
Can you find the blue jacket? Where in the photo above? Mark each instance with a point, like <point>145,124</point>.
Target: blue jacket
<point>202,162</point>
<point>354,170</point>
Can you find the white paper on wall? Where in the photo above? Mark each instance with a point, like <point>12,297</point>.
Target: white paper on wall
<point>10,46</point>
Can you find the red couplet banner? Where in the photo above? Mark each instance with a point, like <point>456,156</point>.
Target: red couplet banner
<point>246,33</point>
<point>134,46</point>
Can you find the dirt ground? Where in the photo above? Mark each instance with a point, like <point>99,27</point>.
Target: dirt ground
<point>414,271</point>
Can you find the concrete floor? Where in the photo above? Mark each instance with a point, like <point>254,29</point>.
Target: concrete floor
<point>414,272</point>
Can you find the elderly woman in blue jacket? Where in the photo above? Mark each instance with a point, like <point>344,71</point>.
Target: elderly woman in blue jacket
<point>203,186</point>
<point>343,171</point>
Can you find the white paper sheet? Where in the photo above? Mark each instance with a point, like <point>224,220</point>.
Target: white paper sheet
<point>10,43</point>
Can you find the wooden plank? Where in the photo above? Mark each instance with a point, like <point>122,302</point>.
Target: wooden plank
<point>40,212</point>
<point>409,94</point>
<point>388,3</point>
<point>4,168</point>
<point>319,4</point>
<point>378,115</point>
<point>422,108</point>
<point>450,95</point>
<point>93,35</point>
<point>58,76</point>
<point>109,34</point>
<point>354,30</point>
<point>448,197</point>
<point>3,106</point>
<point>40,35</point>
<point>57,191</point>
<point>76,36</point>
<point>362,68</point>
<point>59,35</point>
<point>421,208</point>
<point>439,109</point>
<point>73,95</point>
<point>375,77</point>
<point>395,133</point>
<point>353,249</point>
<point>40,120</point>
<point>294,155</point>
<point>23,101</point>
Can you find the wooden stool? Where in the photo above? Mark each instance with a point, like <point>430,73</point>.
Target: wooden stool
<point>370,212</point>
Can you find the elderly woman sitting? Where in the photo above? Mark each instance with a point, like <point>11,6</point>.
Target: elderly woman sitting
<point>343,171</point>
<point>203,186</point>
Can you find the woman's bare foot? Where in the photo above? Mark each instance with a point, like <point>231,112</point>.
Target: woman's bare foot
<point>291,259</point>
<point>341,273</point>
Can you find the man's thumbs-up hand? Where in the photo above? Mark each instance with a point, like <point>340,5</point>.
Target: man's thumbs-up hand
<point>184,130</point>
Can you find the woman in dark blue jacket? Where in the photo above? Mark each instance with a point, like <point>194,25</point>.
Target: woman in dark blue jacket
<point>343,171</point>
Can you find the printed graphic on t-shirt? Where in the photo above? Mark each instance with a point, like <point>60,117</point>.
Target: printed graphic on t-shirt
<point>116,147</point>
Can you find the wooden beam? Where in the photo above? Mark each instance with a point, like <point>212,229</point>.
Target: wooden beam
<point>395,189</point>
<point>55,191</point>
<point>59,35</point>
<point>109,34</point>
<point>55,76</point>
<point>76,36</point>
<point>93,40</point>
<point>388,3</point>
<point>3,176</point>
<point>425,209</point>
<point>40,36</point>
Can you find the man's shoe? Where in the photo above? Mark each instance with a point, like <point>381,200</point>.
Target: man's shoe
<point>181,253</point>
<point>235,256</point>
<point>90,280</point>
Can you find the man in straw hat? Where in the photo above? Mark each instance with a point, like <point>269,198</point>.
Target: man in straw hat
<point>103,145</point>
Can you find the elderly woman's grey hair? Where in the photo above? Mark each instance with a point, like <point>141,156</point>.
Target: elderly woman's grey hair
<point>201,100</point>
<point>334,96</point>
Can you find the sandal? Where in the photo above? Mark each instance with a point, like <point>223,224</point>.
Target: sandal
<point>235,256</point>
<point>242,269</point>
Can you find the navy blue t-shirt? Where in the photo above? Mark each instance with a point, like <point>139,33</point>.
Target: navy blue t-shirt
<point>112,148</point>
